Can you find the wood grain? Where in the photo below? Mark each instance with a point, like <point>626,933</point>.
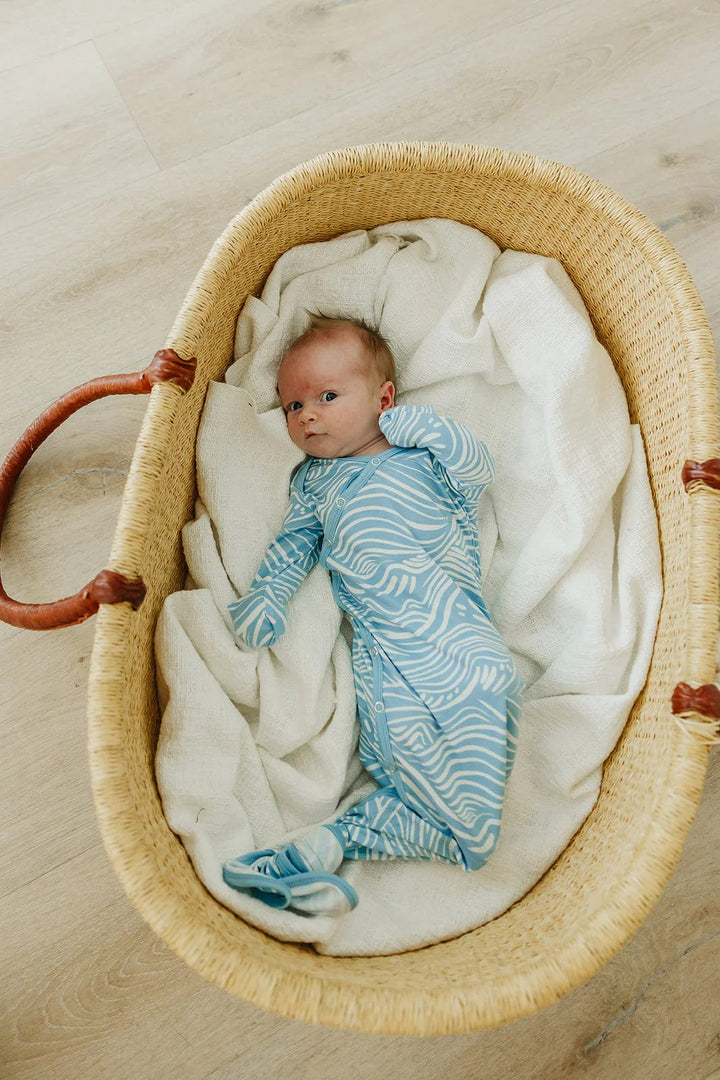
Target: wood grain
<point>68,136</point>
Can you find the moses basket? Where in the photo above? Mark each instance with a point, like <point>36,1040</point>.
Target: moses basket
<point>647,313</point>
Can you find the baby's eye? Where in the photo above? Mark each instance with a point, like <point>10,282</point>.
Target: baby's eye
<point>329,392</point>
<point>291,406</point>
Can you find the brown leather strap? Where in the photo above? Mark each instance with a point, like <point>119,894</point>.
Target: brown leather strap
<point>707,472</point>
<point>704,700</point>
<point>108,587</point>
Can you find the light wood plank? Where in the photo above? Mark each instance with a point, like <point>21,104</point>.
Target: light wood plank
<point>204,79</point>
<point>38,28</point>
<point>562,77</point>
<point>80,1017</point>
<point>68,136</point>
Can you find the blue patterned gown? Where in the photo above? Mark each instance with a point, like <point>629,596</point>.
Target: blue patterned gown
<point>438,693</point>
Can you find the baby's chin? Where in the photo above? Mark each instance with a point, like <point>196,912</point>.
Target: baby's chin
<point>318,446</point>
<point>320,454</point>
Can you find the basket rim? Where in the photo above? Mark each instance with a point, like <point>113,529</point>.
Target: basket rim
<point>546,980</point>
<point>412,156</point>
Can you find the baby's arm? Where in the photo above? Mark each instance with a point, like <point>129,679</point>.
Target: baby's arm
<point>467,463</point>
<point>259,617</point>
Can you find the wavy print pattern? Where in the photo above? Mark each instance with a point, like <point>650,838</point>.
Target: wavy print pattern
<point>438,693</point>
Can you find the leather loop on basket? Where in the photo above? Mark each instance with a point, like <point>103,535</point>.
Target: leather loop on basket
<point>707,472</point>
<point>703,702</point>
<point>108,587</point>
<point>167,366</point>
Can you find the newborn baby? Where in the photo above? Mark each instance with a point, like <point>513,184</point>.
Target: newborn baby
<point>387,501</point>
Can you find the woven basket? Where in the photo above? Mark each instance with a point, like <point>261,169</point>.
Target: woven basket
<point>647,313</point>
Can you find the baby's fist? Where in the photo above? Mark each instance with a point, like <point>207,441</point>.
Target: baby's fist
<point>403,425</point>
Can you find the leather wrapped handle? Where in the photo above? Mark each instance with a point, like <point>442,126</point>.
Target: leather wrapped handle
<point>107,587</point>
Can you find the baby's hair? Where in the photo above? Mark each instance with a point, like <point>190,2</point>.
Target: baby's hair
<point>377,347</point>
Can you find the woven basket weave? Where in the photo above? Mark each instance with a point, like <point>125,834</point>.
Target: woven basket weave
<point>647,313</point>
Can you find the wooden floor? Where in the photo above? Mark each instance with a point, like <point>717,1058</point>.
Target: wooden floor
<point>133,132</point>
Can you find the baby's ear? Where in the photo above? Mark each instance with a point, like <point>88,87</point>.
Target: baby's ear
<point>388,393</point>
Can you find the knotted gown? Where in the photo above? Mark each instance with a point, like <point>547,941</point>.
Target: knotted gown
<point>438,694</point>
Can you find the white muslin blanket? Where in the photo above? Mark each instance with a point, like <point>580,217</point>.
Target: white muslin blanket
<point>258,745</point>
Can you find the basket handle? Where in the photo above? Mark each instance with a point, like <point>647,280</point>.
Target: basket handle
<point>696,709</point>
<point>107,587</point>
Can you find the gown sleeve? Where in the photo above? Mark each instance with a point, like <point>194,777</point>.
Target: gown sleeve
<point>259,617</point>
<point>466,462</point>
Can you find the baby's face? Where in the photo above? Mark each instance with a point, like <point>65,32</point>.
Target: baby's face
<point>330,404</point>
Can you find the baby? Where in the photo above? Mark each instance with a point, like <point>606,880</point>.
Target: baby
<point>387,502</point>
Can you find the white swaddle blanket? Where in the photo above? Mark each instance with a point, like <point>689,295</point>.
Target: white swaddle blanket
<point>258,745</point>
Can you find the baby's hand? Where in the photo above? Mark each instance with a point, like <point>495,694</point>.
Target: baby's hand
<point>404,425</point>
